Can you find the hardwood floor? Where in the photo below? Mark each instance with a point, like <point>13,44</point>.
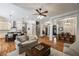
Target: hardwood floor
<point>6,47</point>
<point>59,45</point>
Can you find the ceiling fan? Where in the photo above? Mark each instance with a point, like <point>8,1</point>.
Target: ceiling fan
<point>40,12</point>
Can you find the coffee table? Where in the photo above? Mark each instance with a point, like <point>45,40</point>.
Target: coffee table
<point>39,50</point>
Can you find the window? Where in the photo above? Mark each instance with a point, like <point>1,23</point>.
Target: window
<point>4,26</point>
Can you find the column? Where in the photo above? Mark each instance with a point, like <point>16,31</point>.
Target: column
<point>51,31</point>
<point>41,28</point>
<point>48,30</point>
<point>77,34</point>
<point>57,29</point>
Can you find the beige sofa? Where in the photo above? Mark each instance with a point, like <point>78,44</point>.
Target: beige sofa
<point>73,50</point>
<point>26,42</point>
<point>22,44</point>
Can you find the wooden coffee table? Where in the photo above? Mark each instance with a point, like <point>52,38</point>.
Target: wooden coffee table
<point>38,50</point>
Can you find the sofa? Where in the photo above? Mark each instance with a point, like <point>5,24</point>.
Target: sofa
<point>73,50</point>
<point>23,43</point>
<point>26,42</point>
<point>66,37</point>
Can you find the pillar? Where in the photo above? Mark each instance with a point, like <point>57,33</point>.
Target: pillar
<point>77,34</point>
<point>51,31</point>
<point>41,28</point>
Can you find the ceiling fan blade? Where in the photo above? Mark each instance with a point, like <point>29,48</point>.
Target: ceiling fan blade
<point>43,15</point>
<point>37,10</point>
<point>40,9</point>
<point>45,12</point>
<point>35,14</point>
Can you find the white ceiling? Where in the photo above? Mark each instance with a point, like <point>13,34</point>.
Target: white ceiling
<point>53,8</point>
<point>27,9</point>
<point>7,9</point>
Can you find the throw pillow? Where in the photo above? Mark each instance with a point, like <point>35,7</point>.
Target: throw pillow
<point>22,38</point>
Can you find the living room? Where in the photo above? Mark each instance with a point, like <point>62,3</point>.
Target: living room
<point>39,29</point>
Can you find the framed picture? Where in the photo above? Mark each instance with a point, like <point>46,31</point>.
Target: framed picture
<point>28,28</point>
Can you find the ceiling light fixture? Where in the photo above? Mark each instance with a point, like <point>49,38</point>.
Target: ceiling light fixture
<point>67,22</point>
<point>40,17</point>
